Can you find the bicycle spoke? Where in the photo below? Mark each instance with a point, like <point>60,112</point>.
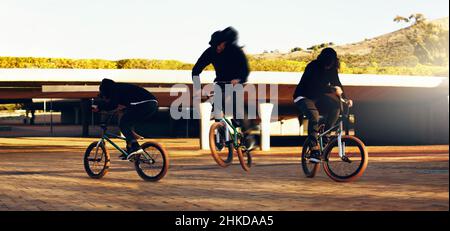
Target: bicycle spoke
<point>96,161</point>
<point>150,163</point>
<point>347,165</point>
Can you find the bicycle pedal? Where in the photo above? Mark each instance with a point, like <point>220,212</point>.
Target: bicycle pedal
<point>346,159</point>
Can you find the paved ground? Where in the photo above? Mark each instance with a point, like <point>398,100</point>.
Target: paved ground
<point>47,174</point>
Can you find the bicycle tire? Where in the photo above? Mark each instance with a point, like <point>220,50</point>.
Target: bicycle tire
<point>361,155</point>
<point>310,169</point>
<point>159,152</point>
<point>245,159</point>
<point>105,156</point>
<point>222,162</point>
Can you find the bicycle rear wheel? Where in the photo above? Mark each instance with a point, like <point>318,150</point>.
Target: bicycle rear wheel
<point>153,165</point>
<point>221,150</point>
<point>96,160</point>
<point>352,165</point>
<point>245,159</point>
<point>309,168</point>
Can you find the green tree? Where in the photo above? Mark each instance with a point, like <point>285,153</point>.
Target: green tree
<point>296,49</point>
<point>399,19</point>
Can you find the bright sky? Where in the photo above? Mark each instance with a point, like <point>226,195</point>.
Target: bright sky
<point>180,29</point>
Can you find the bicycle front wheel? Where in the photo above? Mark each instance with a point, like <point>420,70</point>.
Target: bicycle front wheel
<point>96,160</point>
<point>353,163</point>
<point>309,168</point>
<point>153,164</point>
<point>221,150</point>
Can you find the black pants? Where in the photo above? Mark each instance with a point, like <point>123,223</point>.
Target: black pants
<point>134,115</point>
<point>327,105</point>
<point>244,123</point>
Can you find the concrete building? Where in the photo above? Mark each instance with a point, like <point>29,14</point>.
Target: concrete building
<point>388,109</point>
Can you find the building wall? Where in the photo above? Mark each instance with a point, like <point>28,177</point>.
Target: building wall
<point>403,123</point>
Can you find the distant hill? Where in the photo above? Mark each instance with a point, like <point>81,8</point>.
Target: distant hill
<point>400,48</point>
<point>419,49</point>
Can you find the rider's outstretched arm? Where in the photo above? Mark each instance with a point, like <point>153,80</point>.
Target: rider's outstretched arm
<point>336,82</point>
<point>202,63</point>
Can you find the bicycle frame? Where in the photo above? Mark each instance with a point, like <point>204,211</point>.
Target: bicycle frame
<point>339,128</point>
<point>107,136</point>
<point>230,131</point>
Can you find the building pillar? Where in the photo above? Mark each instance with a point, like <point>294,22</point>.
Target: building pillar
<point>205,124</point>
<point>265,113</point>
<point>85,114</point>
<point>303,125</point>
<point>76,115</point>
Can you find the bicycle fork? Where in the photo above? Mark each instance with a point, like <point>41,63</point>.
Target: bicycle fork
<point>341,145</point>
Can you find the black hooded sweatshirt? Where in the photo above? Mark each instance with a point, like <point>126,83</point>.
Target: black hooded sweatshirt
<point>229,65</point>
<point>317,81</point>
<point>123,94</point>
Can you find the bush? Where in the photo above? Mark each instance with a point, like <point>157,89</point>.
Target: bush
<point>296,49</point>
<point>10,107</point>
<point>46,63</point>
<point>350,64</point>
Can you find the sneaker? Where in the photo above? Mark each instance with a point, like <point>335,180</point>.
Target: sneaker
<point>134,152</point>
<point>249,142</point>
<point>315,156</point>
<point>123,156</point>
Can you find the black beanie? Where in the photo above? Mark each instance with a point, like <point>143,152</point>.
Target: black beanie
<point>216,38</point>
<point>106,87</point>
<point>230,35</point>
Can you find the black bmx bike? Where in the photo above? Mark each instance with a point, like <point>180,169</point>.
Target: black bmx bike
<point>151,165</point>
<point>344,157</point>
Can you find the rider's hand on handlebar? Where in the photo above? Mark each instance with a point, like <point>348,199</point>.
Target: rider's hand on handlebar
<point>338,91</point>
<point>349,103</point>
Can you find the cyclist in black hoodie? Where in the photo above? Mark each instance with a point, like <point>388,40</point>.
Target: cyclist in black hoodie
<point>138,106</point>
<point>231,67</point>
<point>319,92</point>
<point>228,59</point>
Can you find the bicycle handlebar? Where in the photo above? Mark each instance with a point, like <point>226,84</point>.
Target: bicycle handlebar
<point>345,109</point>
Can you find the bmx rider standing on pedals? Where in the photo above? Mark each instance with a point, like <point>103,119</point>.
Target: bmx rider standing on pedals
<point>138,106</point>
<point>319,93</point>
<point>231,67</point>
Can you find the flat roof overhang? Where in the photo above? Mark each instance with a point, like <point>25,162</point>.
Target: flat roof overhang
<point>77,84</point>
